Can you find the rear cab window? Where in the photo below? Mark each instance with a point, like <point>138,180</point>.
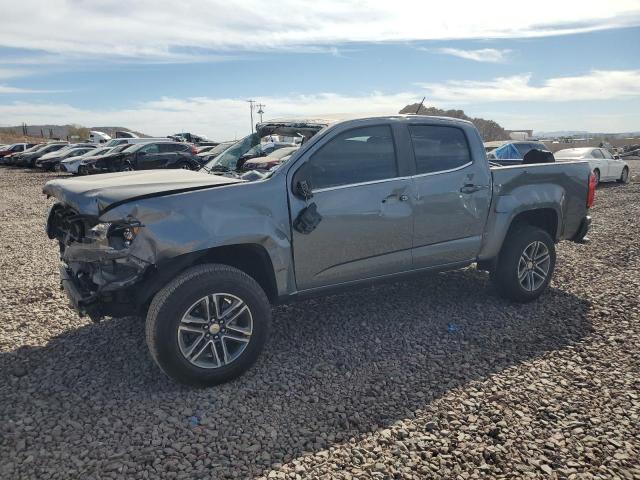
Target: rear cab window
<point>439,148</point>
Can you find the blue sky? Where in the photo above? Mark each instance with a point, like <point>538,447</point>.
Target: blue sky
<point>145,70</point>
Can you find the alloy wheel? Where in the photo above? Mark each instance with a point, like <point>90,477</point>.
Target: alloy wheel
<point>215,330</point>
<point>533,266</point>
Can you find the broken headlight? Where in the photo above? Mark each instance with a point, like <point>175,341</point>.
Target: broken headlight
<point>119,235</point>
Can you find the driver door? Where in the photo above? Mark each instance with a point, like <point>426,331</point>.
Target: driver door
<point>367,219</point>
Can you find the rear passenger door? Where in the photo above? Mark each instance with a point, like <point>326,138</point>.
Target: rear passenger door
<point>599,163</point>
<point>452,196</point>
<point>614,167</point>
<point>148,157</point>
<point>169,154</point>
<point>366,226</point>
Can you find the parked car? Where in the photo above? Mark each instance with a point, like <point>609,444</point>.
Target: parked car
<point>270,161</point>
<point>189,137</point>
<point>512,153</point>
<point>51,161</point>
<point>132,141</point>
<point>148,156</point>
<point>71,165</point>
<point>605,167</point>
<point>214,152</point>
<point>125,134</point>
<point>29,159</point>
<point>203,149</point>
<point>64,149</point>
<point>14,148</point>
<point>87,166</point>
<point>203,255</point>
<point>15,157</point>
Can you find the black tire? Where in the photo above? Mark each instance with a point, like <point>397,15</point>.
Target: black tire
<point>82,170</point>
<point>624,176</point>
<point>126,167</point>
<point>172,302</point>
<point>184,166</point>
<point>505,276</point>
<point>596,172</point>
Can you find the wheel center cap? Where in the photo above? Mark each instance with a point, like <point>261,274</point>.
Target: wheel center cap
<point>530,265</point>
<point>214,328</point>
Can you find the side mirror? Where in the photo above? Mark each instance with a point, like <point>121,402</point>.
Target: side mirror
<point>303,189</point>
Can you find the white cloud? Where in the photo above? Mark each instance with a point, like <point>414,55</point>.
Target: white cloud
<point>166,29</point>
<point>218,118</point>
<point>13,72</point>
<point>228,118</point>
<point>596,85</point>
<point>490,55</point>
<point>9,89</point>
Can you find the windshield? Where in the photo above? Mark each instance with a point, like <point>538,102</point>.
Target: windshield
<point>97,151</point>
<point>35,148</point>
<point>218,149</point>
<point>115,142</point>
<point>228,160</point>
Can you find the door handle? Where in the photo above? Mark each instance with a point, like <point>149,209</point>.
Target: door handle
<point>471,188</point>
<point>402,198</point>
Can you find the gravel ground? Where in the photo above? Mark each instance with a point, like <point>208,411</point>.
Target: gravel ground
<point>434,378</point>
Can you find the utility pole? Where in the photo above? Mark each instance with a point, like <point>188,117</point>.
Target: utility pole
<point>260,110</point>
<point>251,104</point>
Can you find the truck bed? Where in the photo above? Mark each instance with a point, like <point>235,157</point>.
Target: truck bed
<point>559,187</point>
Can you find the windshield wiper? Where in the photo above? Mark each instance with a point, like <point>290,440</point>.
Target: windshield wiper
<point>220,168</point>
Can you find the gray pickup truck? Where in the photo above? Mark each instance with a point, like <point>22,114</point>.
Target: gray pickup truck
<point>204,254</point>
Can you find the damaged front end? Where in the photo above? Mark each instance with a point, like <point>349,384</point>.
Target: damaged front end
<point>99,261</point>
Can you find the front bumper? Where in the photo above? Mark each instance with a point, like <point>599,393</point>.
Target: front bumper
<point>70,167</point>
<point>78,299</point>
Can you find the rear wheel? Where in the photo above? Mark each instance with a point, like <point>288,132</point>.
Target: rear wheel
<point>208,325</point>
<point>596,172</point>
<point>184,166</point>
<point>126,167</point>
<point>624,176</point>
<point>525,264</point>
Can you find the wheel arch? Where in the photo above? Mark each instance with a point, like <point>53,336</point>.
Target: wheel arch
<point>546,219</point>
<point>253,259</point>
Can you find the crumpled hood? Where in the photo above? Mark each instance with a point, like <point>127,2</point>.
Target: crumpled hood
<point>94,194</point>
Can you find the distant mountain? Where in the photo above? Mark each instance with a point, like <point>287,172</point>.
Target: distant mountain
<point>62,131</point>
<point>489,130</point>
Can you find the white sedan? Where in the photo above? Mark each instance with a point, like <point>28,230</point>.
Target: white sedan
<point>603,165</point>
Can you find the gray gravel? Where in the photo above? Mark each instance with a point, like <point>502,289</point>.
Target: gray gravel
<point>434,378</point>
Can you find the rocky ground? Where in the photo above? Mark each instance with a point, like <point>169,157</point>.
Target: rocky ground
<point>434,378</point>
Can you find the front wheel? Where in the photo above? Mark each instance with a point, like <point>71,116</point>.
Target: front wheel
<point>126,167</point>
<point>208,325</point>
<point>596,173</point>
<point>525,264</point>
<point>624,176</point>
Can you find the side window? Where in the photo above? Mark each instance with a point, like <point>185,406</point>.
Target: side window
<point>169,147</point>
<point>360,155</point>
<point>606,153</point>
<point>151,148</point>
<point>439,148</point>
<point>596,153</point>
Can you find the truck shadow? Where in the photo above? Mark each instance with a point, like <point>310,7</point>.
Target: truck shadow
<point>334,368</point>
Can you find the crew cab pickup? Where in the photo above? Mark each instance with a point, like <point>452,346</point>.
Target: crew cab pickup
<point>203,255</point>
